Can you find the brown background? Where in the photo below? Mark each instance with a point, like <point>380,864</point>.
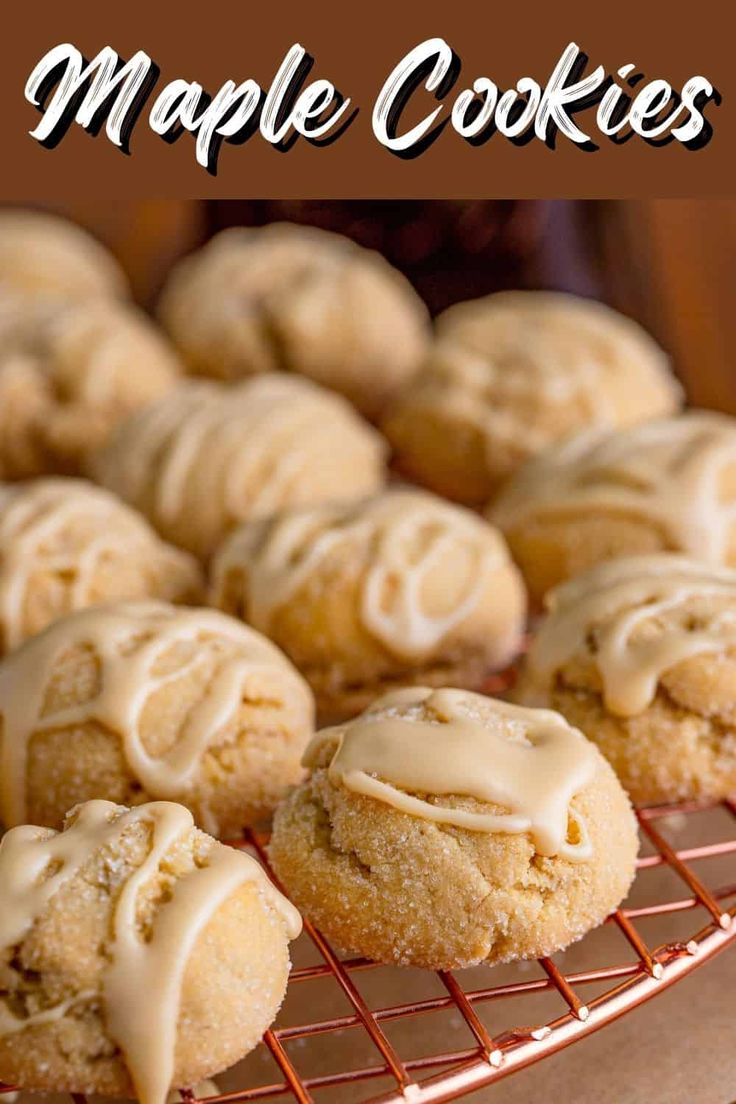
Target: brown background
<point>356,46</point>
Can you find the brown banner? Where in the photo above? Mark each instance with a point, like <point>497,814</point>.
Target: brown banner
<point>356,47</point>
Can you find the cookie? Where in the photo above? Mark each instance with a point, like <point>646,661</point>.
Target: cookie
<point>66,545</point>
<point>664,486</point>
<point>142,700</point>
<point>513,373</point>
<point>443,829</point>
<point>640,654</point>
<point>395,589</point>
<point>209,456</point>
<point>297,299</point>
<point>137,954</point>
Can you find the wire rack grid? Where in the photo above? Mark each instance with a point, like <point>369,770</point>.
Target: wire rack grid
<point>448,1075</point>
<point>444,1075</point>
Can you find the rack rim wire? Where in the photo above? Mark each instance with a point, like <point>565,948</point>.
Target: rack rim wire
<point>453,1074</point>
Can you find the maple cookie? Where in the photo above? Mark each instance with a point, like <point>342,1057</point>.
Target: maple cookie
<point>514,372</point>
<point>443,829</point>
<point>44,255</point>
<point>640,653</point>
<point>66,544</point>
<point>141,700</point>
<point>667,485</point>
<point>400,588</point>
<point>137,954</point>
<point>209,456</point>
<point>68,375</point>
<point>301,300</point>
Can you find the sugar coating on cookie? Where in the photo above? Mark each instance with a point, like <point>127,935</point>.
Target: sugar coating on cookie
<point>66,544</point>
<point>209,456</point>
<point>666,485</point>
<point>640,653</point>
<point>442,828</point>
<point>139,700</point>
<point>514,372</point>
<point>401,587</point>
<point>297,299</point>
<point>136,953</point>
<point>68,375</point>
<point>44,255</point>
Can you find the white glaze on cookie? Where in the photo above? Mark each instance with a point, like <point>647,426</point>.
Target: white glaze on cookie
<point>70,529</point>
<point>129,640</point>
<point>253,441</point>
<point>449,742</point>
<point>670,473</point>
<point>401,536</point>
<point>499,354</point>
<point>141,986</point>
<point>643,615</point>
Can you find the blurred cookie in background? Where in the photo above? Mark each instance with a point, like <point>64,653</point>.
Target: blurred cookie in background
<point>44,255</point>
<point>208,456</point>
<point>66,545</point>
<point>514,372</point>
<point>297,299</point>
<point>68,374</point>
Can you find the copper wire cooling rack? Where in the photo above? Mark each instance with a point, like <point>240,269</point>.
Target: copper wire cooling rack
<point>682,911</point>
<point>491,1055</point>
<point>619,988</point>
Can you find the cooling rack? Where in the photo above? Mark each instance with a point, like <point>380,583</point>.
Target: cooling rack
<point>681,913</point>
<point>447,1075</point>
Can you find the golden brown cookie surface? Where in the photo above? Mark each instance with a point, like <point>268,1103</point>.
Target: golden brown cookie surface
<point>66,544</point>
<point>136,953</point>
<point>442,829</point>
<point>209,456</point>
<point>665,485</point>
<point>513,373</point>
<point>141,700</point>
<point>297,299</point>
<point>68,375</point>
<point>640,653</point>
<point>394,589</point>
<point>44,255</point>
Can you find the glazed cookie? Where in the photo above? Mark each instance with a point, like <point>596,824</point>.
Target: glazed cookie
<point>668,485</point>
<point>141,700</point>
<point>443,829</point>
<point>396,589</point>
<point>44,255</point>
<point>640,654</point>
<point>66,544</point>
<point>68,375</point>
<point>514,372</point>
<point>301,300</point>
<point>137,954</point>
<point>207,457</point>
